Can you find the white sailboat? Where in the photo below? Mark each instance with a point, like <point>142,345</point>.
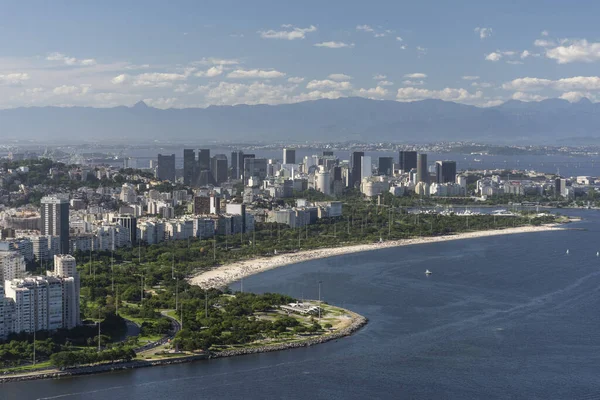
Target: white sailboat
<point>598,254</point>
<point>567,251</point>
<point>427,272</point>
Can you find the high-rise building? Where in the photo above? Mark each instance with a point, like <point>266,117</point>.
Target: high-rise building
<point>219,168</point>
<point>366,167</point>
<point>65,268</point>
<point>327,153</point>
<point>408,160</point>
<point>356,160</point>
<point>204,159</point>
<point>289,156</point>
<point>422,172</point>
<point>130,223</point>
<point>386,166</point>
<point>255,167</point>
<point>165,168</point>
<point>445,171</point>
<point>189,166</point>
<point>235,170</point>
<point>55,220</point>
<point>322,181</point>
<point>241,165</point>
<point>12,266</point>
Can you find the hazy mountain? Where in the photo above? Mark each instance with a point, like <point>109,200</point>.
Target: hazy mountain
<point>321,120</point>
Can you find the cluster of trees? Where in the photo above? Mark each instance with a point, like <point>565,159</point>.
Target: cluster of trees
<point>18,352</point>
<point>64,359</point>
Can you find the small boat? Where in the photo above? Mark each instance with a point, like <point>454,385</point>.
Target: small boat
<point>567,251</point>
<point>427,272</point>
<point>598,254</point>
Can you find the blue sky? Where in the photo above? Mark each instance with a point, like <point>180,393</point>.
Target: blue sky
<point>196,54</point>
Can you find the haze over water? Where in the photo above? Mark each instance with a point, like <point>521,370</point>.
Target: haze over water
<point>500,317</point>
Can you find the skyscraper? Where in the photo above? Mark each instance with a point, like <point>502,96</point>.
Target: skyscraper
<point>219,168</point>
<point>366,167</point>
<point>408,160</point>
<point>189,164</point>
<point>445,171</point>
<point>289,156</point>
<point>55,220</point>
<point>165,169</point>
<point>234,165</point>
<point>386,166</point>
<point>422,172</point>
<point>242,165</point>
<point>130,222</point>
<point>65,268</point>
<point>204,159</point>
<point>356,167</point>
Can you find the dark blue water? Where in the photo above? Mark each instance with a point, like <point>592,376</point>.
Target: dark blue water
<point>507,317</point>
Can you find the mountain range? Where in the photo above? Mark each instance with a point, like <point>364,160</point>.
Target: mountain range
<point>344,119</point>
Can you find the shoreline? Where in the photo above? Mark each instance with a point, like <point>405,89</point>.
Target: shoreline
<point>358,321</point>
<point>223,275</point>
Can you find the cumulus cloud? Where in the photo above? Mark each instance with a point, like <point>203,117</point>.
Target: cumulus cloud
<point>216,61</point>
<point>228,93</point>
<point>576,83</point>
<point>13,79</point>
<point>544,43</point>
<point>328,84</point>
<point>448,94</point>
<point>289,33</point>
<point>151,79</point>
<point>482,84</point>
<point>483,32</point>
<point>385,83</point>
<point>574,51</point>
<point>470,77</point>
<point>70,60</point>
<point>494,56</point>
<point>416,75</point>
<point>120,79</point>
<point>296,79</point>
<point>379,77</point>
<point>211,72</point>
<point>255,73</point>
<point>334,45</point>
<point>373,93</point>
<point>339,77</point>
<point>527,97</point>
<point>71,90</point>
<point>409,82</point>
<point>575,96</point>
<point>398,38</point>
<point>364,28</point>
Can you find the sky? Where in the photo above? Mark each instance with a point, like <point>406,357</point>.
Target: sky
<point>199,53</point>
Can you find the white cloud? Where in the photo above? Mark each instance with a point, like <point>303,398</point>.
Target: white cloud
<point>255,73</point>
<point>334,45</point>
<point>373,93</point>
<point>385,83</point>
<point>161,102</point>
<point>120,79</point>
<point>364,28</point>
<point>211,72</point>
<point>514,62</point>
<point>158,79</point>
<point>544,33</point>
<point>379,77</point>
<point>483,32</point>
<point>527,97</point>
<point>380,35</point>
<point>447,94</point>
<point>216,61</point>
<point>412,83</point>
<point>133,66</point>
<point>71,90</point>
<point>525,54</point>
<point>574,97</point>
<point>403,47</point>
<point>70,60</point>
<point>228,93</point>
<point>576,83</point>
<point>416,75</point>
<point>470,77</point>
<point>398,38</point>
<point>575,51</point>
<point>317,95</point>
<point>339,77</point>
<point>183,88</point>
<point>328,84</point>
<point>494,56</point>
<point>292,33</point>
<point>421,50</point>
<point>544,43</point>
<point>295,79</point>
<point>14,78</point>
<point>482,84</point>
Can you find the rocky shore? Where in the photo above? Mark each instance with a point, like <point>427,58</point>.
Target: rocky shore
<point>358,322</point>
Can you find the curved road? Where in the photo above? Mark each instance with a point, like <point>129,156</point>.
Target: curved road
<point>175,327</point>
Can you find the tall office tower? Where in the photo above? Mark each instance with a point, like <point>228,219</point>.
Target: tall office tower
<point>219,168</point>
<point>337,173</point>
<point>55,220</point>
<point>204,159</point>
<point>408,160</point>
<point>386,166</point>
<point>366,167</point>
<point>189,164</point>
<point>165,168</point>
<point>234,165</point>
<point>422,172</point>
<point>322,181</point>
<point>445,171</point>
<point>327,153</point>
<point>130,222</point>
<point>242,164</point>
<point>65,268</point>
<point>255,167</point>
<point>289,156</point>
<point>356,160</point>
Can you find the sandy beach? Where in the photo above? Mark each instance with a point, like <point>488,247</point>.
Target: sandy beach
<point>223,275</point>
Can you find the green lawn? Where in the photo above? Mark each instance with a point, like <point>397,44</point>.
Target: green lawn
<point>25,368</point>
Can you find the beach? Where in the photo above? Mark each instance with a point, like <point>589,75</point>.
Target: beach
<point>224,275</point>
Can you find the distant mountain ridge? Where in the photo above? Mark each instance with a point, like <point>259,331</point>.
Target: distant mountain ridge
<point>320,120</point>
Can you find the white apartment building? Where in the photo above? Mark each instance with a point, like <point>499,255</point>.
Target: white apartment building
<point>12,265</point>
